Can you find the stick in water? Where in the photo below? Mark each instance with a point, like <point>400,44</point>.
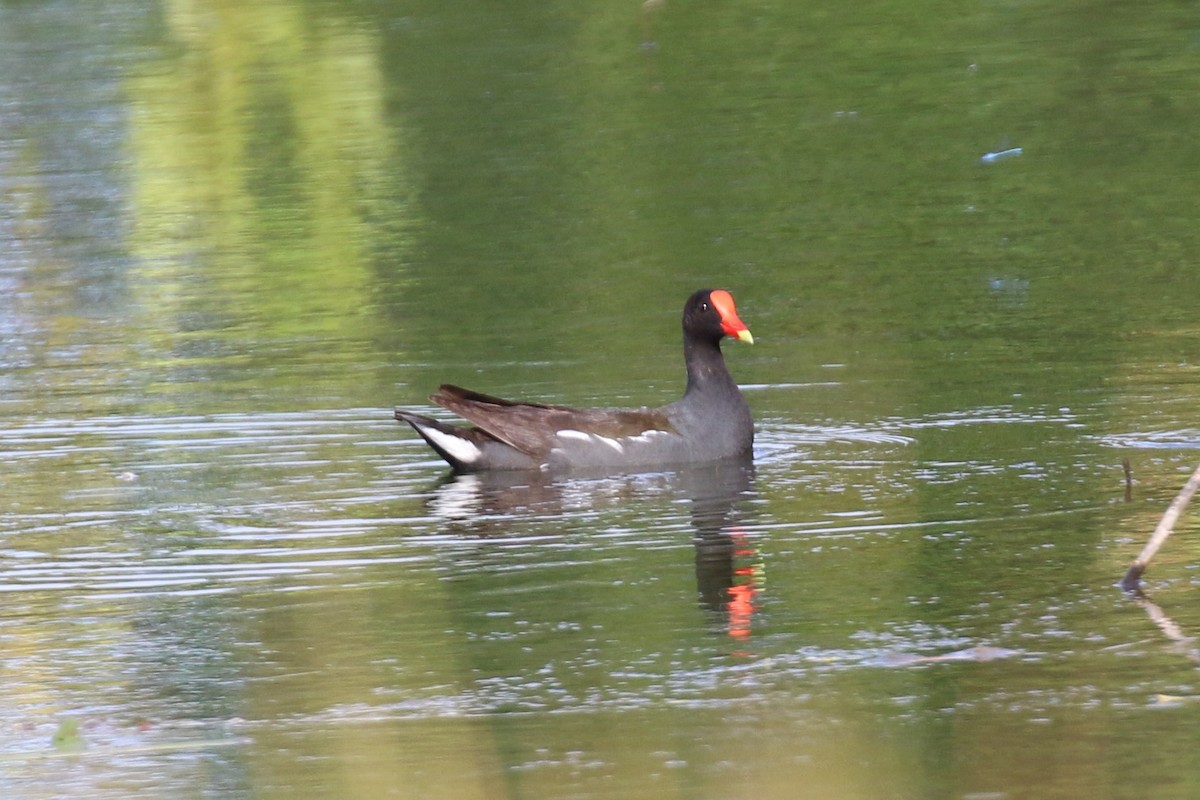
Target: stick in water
<point>1130,582</point>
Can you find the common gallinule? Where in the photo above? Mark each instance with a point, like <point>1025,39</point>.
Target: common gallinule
<point>711,421</point>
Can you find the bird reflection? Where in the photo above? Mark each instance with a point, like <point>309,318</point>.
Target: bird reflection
<point>729,571</point>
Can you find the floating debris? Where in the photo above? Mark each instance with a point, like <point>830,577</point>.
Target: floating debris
<point>68,738</point>
<point>1173,699</point>
<point>1012,152</point>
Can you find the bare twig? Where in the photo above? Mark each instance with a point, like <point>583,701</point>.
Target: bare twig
<point>1165,525</point>
<point>1128,479</point>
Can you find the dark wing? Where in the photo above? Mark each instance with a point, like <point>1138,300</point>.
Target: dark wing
<point>533,427</point>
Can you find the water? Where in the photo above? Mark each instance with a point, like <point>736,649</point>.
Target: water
<point>235,237</point>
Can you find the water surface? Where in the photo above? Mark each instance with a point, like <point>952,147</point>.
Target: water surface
<point>236,236</point>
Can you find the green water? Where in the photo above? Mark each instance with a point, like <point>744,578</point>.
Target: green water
<point>235,235</point>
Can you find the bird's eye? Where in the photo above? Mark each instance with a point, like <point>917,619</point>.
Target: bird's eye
<point>704,306</point>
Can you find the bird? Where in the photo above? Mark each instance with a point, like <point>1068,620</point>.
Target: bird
<point>710,422</point>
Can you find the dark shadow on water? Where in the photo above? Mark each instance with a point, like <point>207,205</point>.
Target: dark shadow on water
<point>728,567</point>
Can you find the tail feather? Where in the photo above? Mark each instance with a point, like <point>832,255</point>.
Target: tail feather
<point>461,447</point>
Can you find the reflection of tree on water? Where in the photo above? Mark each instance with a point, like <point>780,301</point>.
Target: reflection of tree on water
<point>1183,643</point>
<point>728,572</point>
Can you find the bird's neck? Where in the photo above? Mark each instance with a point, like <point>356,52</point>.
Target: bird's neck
<point>706,368</point>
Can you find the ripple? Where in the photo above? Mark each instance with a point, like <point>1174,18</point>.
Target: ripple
<point>198,571</point>
<point>793,434</point>
<point>775,438</point>
<point>201,504</point>
<point>1184,439</point>
<point>985,415</point>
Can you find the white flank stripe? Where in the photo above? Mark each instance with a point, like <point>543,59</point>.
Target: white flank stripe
<point>591,438</point>
<point>461,449</point>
